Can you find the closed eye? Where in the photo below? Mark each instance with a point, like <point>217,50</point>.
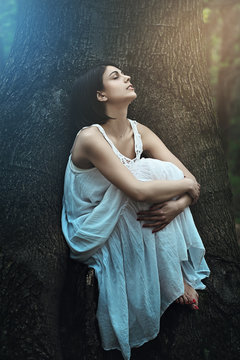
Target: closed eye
<point>117,74</point>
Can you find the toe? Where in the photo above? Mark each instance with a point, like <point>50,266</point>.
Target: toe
<point>195,307</point>
<point>181,300</point>
<point>196,299</point>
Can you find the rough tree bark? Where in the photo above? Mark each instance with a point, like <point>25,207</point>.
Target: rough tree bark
<point>160,44</point>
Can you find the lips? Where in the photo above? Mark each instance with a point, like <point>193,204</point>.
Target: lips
<point>130,86</point>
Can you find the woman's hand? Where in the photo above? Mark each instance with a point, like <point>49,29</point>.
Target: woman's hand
<point>194,191</point>
<point>160,215</point>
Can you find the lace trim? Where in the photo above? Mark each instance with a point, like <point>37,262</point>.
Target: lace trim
<point>137,140</point>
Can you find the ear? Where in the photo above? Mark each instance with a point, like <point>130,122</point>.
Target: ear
<point>101,96</point>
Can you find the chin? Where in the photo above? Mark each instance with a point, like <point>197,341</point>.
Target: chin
<point>134,96</point>
<point>128,99</point>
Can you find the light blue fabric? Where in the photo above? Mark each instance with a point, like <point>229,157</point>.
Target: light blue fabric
<point>139,273</point>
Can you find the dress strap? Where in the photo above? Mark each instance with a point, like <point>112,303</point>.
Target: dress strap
<point>137,142</point>
<point>137,139</point>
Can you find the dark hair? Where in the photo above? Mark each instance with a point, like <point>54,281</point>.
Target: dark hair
<point>85,108</point>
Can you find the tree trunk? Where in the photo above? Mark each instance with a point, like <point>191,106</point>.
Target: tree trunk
<point>160,45</point>
<point>1,56</point>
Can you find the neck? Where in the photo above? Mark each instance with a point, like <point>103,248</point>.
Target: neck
<point>117,127</point>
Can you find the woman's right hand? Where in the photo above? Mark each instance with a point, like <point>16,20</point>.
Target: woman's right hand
<point>194,190</point>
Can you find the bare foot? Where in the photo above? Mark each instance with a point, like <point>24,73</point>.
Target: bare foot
<point>190,297</point>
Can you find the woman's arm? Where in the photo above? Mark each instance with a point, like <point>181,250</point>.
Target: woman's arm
<point>161,214</point>
<point>92,146</point>
<point>157,149</point>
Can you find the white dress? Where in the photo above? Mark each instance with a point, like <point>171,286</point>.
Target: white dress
<point>139,273</point>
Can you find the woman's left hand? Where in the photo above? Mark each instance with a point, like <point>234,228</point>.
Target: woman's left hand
<point>159,215</point>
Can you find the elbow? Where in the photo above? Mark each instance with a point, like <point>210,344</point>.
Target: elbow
<point>138,197</point>
<point>138,194</point>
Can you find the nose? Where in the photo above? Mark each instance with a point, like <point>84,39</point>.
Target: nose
<point>128,77</point>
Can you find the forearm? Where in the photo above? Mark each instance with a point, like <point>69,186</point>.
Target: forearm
<point>162,190</point>
<point>187,173</point>
<point>184,201</point>
<point>180,165</point>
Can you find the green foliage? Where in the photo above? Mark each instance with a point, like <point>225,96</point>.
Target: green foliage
<point>237,61</point>
<point>206,15</point>
<point>215,45</point>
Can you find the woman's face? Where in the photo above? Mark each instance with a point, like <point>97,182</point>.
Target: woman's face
<point>117,86</point>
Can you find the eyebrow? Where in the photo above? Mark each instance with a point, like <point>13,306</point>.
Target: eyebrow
<point>115,71</point>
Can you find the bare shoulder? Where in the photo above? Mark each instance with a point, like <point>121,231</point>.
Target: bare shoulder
<point>87,134</point>
<point>87,140</point>
<point>143,129</point>
<point>88,137</point>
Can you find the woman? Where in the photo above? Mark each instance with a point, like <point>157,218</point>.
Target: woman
<point>143,262</point>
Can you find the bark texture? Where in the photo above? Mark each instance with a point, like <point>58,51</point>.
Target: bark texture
<point>48,302</point>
